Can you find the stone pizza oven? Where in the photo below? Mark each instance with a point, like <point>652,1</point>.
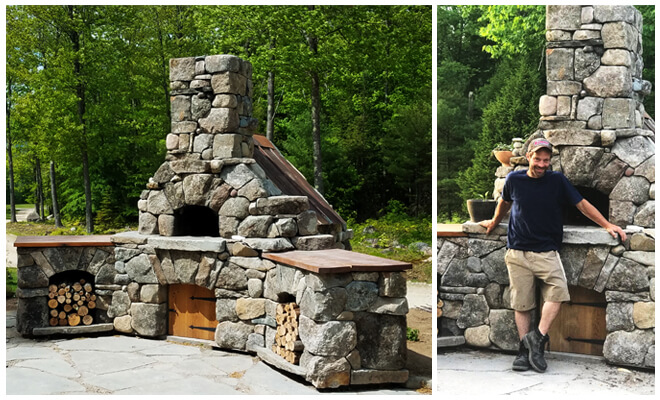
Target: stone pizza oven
<point>233,247</point>
<point>604,143</point>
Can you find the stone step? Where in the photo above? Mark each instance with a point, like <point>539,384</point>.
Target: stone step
<point>72,330</point>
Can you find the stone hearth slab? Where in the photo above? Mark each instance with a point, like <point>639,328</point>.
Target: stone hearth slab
<point>188,243</point>
<point>72,330</point>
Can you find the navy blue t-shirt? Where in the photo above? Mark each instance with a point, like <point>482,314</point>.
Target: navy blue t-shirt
<point>536,213</point>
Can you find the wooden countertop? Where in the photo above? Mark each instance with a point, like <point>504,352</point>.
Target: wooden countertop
<point>334,261</point>
<point>63,241</point>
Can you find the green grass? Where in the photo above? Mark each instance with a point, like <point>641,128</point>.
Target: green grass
<point>391,239</point>
<point>11,282</point>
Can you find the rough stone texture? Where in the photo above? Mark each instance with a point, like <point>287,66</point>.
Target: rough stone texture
<point>31,313</point>
<point>314,242</point>
<point>588,107</point>
<point>247,309</point>
<point>593,263</point>
<point>333,338</point>
<point>618,57</point>
<point>149,319</point>
<point>619,35</point>
<point>389,305</point>
<point>392,284</point>
<point>622,212</point>
<point>368,376</point>
<point>153,294</point>
<point>628,347</point>
<point>361,295</point>
<point>586,62</point>
<point>222,63</point>
<point>645,215</point>
<point>478,336</point>
<point>325,305</point>
<point>182,69</point>
<point>619,317</point>
<point>647,169</point>
<point>307,223</point>
<point>381,340</point>
<point>548,105</point>
<point>641,242</point>
<point>157,203</point>
<point>225,310</point>
<point>495,267</point>
<point>229,82</point>
<point>123,324</point>
<point>618,113</point>
<point>559,64</point>
<point>255,226</point>
<point>628,276</point>
<point>236,207</point>
<point>233,335</point>
<point>609,81</point>
<point>563,17</point>
<point>232,277</point>
<point>282,205</point>
<point>474,311</point>
<point>634,150</point>
<point>643,314</point>
<point>326,372</point>
<point>255,287</point>
<point>139,269</point>
<point>579,163</point>
<point>503,331</point>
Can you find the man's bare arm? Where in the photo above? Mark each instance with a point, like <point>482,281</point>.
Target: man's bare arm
<point>593,214</point>
<point>503,207</point>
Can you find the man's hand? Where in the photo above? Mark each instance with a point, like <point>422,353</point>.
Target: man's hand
<point>614,229</point>
<point>488,224</point>
<point>593,214</point>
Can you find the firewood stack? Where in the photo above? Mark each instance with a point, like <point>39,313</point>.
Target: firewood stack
<point>70,304</point>
<point>287,342</point>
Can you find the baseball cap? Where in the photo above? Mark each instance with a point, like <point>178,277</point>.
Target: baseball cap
<point>538,144</point>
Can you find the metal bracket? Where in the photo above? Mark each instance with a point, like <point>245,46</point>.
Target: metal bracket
<point>202,328</point>
<point>203,298</point>
<point>592,341</point>
<point>599,305</point>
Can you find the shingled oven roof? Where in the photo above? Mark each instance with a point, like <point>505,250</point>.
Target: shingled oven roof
<point>291,182</point>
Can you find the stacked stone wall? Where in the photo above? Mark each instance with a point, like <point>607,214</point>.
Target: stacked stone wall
<point>353,325</point>
<point>36,265</point>
<point>474,288</point>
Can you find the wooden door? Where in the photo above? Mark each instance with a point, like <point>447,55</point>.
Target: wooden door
<point>192,312</point>
<point>580,325</point>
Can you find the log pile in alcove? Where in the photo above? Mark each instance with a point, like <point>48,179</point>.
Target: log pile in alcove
<point>70,303</point>
<point>287,342</point>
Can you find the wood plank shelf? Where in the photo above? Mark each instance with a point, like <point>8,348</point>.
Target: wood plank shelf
<point>63,241</point>
<point>334,261</point>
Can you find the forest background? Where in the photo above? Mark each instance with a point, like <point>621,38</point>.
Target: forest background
<point>491,74</point>
<point>88,90</point>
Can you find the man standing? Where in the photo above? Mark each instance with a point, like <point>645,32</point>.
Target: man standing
<point>536,198</point>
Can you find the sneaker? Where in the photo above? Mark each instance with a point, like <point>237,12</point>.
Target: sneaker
<point>521,363</point>
<point>535,343</point>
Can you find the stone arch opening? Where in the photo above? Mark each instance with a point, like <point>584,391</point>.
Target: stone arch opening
<point>196,221</point>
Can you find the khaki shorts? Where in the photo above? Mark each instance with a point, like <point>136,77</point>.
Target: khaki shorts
<point>524,267</point>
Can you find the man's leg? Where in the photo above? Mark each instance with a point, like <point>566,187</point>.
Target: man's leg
<point>523,322</point>
<point>548,315</point>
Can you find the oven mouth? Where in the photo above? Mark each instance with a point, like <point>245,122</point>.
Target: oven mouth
<point>196,221</point>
